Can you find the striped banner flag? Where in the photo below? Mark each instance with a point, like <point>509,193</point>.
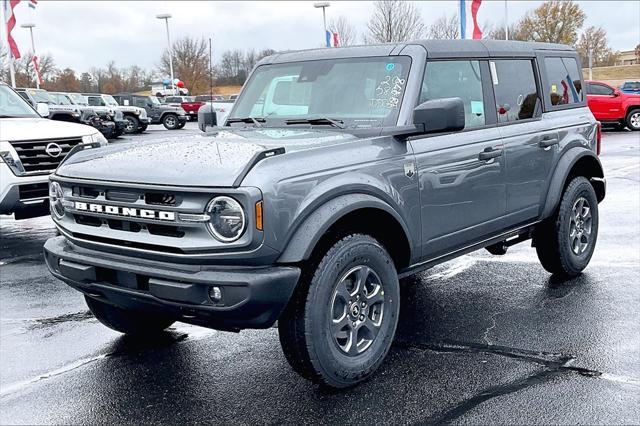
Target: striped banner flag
<point>10,22</point>
<point>474,6</point>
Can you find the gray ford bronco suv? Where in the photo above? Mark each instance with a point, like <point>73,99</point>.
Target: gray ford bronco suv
<point>336,173</point>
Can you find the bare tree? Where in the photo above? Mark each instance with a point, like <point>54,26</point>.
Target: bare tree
<point>497,33</point>
<point>347,34</point>
<point>554,21</point>
<point>393,21</point>
<point>445,28</point>
<point>595,39</point>
<point>190,63</point>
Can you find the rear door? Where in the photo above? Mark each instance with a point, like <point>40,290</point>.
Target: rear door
<point>462,174</point>
<point>530,145</point>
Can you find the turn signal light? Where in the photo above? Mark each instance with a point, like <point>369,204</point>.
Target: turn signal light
<point>259,215</point>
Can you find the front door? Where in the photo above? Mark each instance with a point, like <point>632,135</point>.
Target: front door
<point>603,102</point>
<point>462,174</point>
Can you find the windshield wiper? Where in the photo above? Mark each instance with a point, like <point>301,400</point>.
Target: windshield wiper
<point>330,121</point>
<point>256,121</point>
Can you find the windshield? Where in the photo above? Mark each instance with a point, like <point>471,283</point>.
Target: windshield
<point>41,96</point>
<point>360,92</point>
<point>154,100</point>
<point>12,105</point>
<point>110,100</point>
<point>61,99</point>
<point>78,99</point>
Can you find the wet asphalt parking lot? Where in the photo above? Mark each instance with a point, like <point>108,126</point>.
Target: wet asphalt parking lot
<point>481,339</point>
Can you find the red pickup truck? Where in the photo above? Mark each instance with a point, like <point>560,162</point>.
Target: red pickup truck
<point>610,105</point>
<point>188,103</point>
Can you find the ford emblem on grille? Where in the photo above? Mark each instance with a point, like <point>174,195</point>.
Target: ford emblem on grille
<point>53,149</point>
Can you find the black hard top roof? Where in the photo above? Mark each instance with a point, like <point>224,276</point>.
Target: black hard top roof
<point>435,49</point>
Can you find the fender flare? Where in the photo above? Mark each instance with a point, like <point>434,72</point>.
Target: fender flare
<point>561,173</point>
<point>304,239</point>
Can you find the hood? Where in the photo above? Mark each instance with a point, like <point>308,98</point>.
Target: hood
<point>17,129</point>
<point>205,160</point>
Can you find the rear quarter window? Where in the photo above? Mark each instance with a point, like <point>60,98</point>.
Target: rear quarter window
<point>564,82</point>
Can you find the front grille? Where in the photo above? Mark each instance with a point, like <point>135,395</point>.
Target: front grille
<point>33,190</point>
<point>150,218</point>
<point>33,155</point>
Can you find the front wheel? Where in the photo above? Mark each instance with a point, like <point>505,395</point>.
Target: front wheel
<point>339,326</point>
<point>633,119</point>
<point>142,128</point>
<point>127,322</point>
<point>132,124</point>
<point>565,242</point>
<point>170,121</point>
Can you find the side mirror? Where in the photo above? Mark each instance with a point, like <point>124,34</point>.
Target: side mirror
<point>616,93</point>
<point>43,109</point>
<point>439,115</point>
<point>207,117</point>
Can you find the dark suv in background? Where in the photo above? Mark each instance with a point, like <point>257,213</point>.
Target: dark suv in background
<point>171,117</point>
<point>336,173</point>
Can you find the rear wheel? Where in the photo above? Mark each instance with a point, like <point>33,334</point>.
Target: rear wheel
<point>132,124</point>
<point>566,241</point>
<point>633,119</point>
<point>339,326</point>
<point>170,121</point>
<point>127,322</point>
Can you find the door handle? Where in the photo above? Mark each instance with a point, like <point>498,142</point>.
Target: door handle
<point>489,153</point>
<point>546,142</point>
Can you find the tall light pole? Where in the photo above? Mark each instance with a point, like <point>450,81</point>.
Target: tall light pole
<point>323,6</point>
<point>31,26</point>
<point>506,21</point>
<point>166,17</point>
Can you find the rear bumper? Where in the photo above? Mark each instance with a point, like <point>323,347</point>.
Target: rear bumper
<point>251,297</point>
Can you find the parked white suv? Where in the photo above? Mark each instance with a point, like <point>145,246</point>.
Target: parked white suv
<point>31,148</point>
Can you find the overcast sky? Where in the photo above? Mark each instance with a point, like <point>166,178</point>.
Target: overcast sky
<point>84,34</point>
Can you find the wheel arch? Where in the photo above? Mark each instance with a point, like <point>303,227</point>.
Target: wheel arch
<point>350,213</point>
<point>576,161</point>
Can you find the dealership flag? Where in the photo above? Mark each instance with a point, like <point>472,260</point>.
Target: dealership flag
<point>33,3</point>
<point>473,6</point>
<point>10,21</point>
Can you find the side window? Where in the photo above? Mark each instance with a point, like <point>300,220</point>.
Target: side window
<point>456,79</point>
<point>563,78</point>
<point>514,85</point>
<point>24,96</point>
<point>140,102</point>
<point>600,89</point>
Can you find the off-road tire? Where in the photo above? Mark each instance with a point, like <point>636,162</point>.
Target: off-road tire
<point>633,119</point>
<point>170,121</point>
<point>142,128</point>
<point>132,126</point>
<point>127,322</point>
<point>305,326</point>
<point>181,125</point>
<point>552,238</point>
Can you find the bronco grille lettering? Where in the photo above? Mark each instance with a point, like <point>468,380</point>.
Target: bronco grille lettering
<point>125,211</point>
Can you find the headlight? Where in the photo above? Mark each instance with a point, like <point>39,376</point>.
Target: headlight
<point>55,199</point>
<point>9,155</point>
<point>136,112</point>
<point>96,137</point>
<point>227,221</point>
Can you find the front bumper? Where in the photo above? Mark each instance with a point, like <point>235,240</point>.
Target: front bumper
<point>252,297</point>
<point>23,196</point>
